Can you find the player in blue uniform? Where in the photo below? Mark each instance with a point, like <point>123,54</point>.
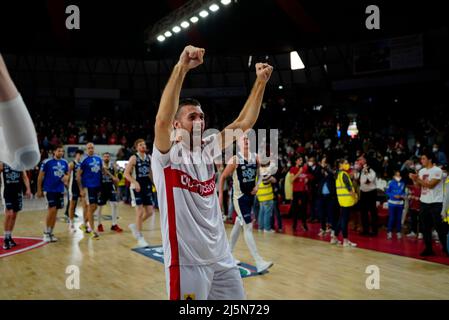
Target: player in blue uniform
<point>12,199</point>
<point>108,192</point>
<point>138,173</point>
<point>74,191</point>
<point>244,168</point>
<point>53,175</point>
<point>89,178</point>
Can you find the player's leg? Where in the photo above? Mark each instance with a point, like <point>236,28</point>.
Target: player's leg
<point>113,202</point>
<point>92,207</point>
<point>227,282</point>
<point>8,228</point>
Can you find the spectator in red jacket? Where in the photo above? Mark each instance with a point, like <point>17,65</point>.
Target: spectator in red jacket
<point>300,179</point>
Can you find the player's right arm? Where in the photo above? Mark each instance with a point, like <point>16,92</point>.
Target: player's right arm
<point>40,180</point>
<point>8,90</point>
<point>190,58</point>
<point>229,169</point>
<point>128,170</point>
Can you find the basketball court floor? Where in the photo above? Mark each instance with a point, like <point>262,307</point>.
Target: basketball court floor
<point>109,269</point>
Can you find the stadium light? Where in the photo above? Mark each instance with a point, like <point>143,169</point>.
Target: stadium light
<point>194,19</point>
<point>204,14</point>
<point>176,29</point>
<point>185,24</point>
<point>160,38</point>
<point>295,61</point>
<point>225,2</point>
<point>168,34</point>
<point>214,7</point>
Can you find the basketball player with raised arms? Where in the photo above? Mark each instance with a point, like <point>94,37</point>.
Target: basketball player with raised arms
<point>198,260</point>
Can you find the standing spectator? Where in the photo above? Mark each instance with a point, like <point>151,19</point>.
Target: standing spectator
<point>326,198</point>
<point>440,156</point>
<point>430,180</point>
<point>368,198</point>
<point>445,210</point>
<point>315,176</point>
<point>347,198</point>
<point>414,193</point>
<point>299,203</point>
<point>396,195</point>
<point>265,196</point>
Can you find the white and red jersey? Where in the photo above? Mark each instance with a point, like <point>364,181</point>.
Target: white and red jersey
<point>192,227</point>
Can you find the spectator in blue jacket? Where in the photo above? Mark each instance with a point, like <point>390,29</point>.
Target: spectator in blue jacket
<point>396,195</point>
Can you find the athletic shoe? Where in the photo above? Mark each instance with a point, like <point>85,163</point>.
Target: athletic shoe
<point>328,230</point>
<point>389,236</point>
<point>334,240</point>
<point>321,233</point>
<point>399,235</point>
<point>434,235</point>
<point>13,243</point>
<point>72,227</point>
<point>420,236</point>
<point>347,243</point>
<point>7,244</point>
<point>133,228</point>
<point>94,235</point>
<point>100,228</point>
<point>47,237</point>
<point>411,235</point>
<point>83,228</point>
<point>269,231</point>
<point>141,243</point>
<point>263,266</point>
<point>53,238</point>
<point>237,262</point>
<point>116,228</point>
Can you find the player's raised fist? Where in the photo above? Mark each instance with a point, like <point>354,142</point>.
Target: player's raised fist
<point>263,71</point>
<point>191,57</point>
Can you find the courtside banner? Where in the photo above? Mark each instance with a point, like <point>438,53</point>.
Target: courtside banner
<point>70,149</point>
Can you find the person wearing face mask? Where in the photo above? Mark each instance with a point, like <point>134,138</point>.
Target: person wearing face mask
<point>347,198</point>
<point>299,179</point>
<point>326,198</point>
<point>440,156</point>
<point>314,178</point>
<point>396,195</point>
<point>417,150</point>
<point>368,197</point>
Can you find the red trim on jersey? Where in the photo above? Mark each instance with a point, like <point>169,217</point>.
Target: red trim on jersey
<point>175,277</point>
<point>182,180</point>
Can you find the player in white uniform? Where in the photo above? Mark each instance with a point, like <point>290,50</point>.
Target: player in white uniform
<point>198,260</point>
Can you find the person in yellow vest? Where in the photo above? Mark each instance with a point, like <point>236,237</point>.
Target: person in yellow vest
<point>265,195</point>
<point>122,185</point>
<point>347,198</point>
<point>445,211</point>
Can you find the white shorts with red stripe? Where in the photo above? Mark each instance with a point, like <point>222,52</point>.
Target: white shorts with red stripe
<point>217,281</point>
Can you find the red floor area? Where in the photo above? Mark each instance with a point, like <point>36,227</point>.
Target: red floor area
<point>23,244</point>
<point>404,247</point>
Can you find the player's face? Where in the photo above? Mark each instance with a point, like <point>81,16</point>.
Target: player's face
<point>77,157</point>
<point>424,161</point>
<point>59,153</point>
<point>106,158</point>
<point>189,116</point>
<point>243,143</point>
<point>90,149</point>
<point>142,147</point>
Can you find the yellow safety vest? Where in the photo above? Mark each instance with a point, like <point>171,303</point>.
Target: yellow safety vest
<point>345,199</point>
<point>288,186</point>
<point>122,181</point>
<point>265,192</point>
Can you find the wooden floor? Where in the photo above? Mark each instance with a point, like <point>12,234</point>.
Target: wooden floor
<point>304,268</point>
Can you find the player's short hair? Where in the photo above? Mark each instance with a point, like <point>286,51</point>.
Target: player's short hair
<point>136,143</point>
<point>106,153</point>
<point>186,102</point>
<point>429,155</point>
<point>79,151</point>
<point>58,146</point>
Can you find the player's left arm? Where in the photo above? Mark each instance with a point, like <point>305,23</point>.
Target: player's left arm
<point>26,181</point>
<point>250,112</point>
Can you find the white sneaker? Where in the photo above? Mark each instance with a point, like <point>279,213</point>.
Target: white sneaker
<point>321,233</point>
<point>328,230</point>
<point>263,266</point>
<point>47,237</point>
<point>389,236</point>
<point>133,228</point>
<point>141,243</point>
<point>72,227</point>
<point>53,238</point>
<point>399,235</point>
<point>420,236</point>
<point>434,235</point>
<point>269,231</point>
<point>411,235</point>
<point>347,243</point>
<point>334,240</point>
